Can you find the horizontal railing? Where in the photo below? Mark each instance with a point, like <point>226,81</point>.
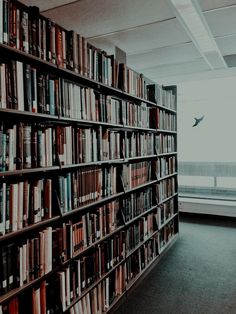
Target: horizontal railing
<point>215,170</point>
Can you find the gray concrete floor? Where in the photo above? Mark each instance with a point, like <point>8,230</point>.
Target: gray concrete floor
<point>196,276</point>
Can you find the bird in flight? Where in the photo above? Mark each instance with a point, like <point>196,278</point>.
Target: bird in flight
<point>197,121</point>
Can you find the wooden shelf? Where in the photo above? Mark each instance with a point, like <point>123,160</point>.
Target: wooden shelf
<point>167,199</point>
<point>140,186</point>
<point>167,176</point>
<point>167,154</point>
<point>129,222</point>
<point>167,221</point>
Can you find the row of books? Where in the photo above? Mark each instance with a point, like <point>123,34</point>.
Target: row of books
<point>76,236</point>
<point>72,145</point>
<point>94,226</point>
<point>140,231</point>
<point>79,237</point>
<point>108,109</point>
<point>48,298</point>
<point>32,258</point>
<point>26,146</point>
<point>141,258</point>
<point>24,203</point>
<point>165,143</point>
<point>30,201</point>
<point>83,272</point>
<point>166,233</point>
<point>135,115</point>
<point>165,166</point>
<point>160,119</point>
<point>136,174</point>
<point>59,291</point>
<point>24,28</point>
<point>136,203</point>
<point>165,211</point>
<point>165,188</point>
<point>139,144</point>
<point>26,88</point>
<point>85,185</point>
<point>22,263</point>
<point>159,95</point>
<point>167,121</point>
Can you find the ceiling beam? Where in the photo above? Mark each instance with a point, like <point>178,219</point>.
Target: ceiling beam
<point>190,16</point>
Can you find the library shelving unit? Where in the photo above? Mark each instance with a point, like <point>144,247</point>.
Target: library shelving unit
<point>88,170</point>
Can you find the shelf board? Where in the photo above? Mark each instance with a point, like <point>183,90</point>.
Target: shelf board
<point>11,294</point>
<point>134,280</point>
<point>169,243</point>
<point>166,131</point>
<point>28,171</point>
<point>140,158</point>
<point>167,176</point>
<point>74,166</point>
<point>25,230</point>
<point>92,245</point>
<point>128,254</point>
<point>167,154</point>
<point>140,186</point>
<point>168,220</point>
<point>92,204</point>
<point>93,163</point>
<point>167,199</point>
<point>127,223</point>
<point>30,115</point>
<point>93,286</point>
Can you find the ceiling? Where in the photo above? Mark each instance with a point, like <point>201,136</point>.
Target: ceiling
<point>149,32</point>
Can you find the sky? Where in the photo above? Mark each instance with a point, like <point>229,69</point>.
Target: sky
<point>214,139</point>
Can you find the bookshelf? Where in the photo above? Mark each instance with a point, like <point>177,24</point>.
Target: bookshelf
<point>88,170</point>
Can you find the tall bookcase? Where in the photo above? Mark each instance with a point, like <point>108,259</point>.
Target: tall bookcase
<point>88,170</point>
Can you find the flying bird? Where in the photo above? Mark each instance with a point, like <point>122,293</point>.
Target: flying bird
<point>197,121</point>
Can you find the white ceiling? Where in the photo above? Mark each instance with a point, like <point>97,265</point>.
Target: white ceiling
<point>153,38</point>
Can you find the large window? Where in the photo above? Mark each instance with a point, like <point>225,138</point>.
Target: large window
<point>207,152</point>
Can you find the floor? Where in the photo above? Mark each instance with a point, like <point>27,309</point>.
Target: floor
<point>196,276</point>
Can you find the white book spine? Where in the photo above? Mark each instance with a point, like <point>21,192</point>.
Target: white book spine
<point>20,205</point>
<point>3,103</point>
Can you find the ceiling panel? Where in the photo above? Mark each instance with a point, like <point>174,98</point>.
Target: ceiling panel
<point>91,18</point>
<point>162,71</point>
<point>222,22</point>
<point>214,4</point>
<point>165,55</point>
<point>153,36</point>
<point>227,45</point>
<point>46,5</point>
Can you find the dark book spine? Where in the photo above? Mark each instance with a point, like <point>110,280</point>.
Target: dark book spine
<point>34,147</point>
<point>5,21</point>
<point>11,275</point>
<point>34,16</point>
<point>27,87</point>
<point>40,92</point>
<point>36,257</point>
<point>14,85</point>
<point>8,225</point>
<point>27,146</point>
<point>19,153</point>
<point>25,31</point>
<point>4,273</point>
